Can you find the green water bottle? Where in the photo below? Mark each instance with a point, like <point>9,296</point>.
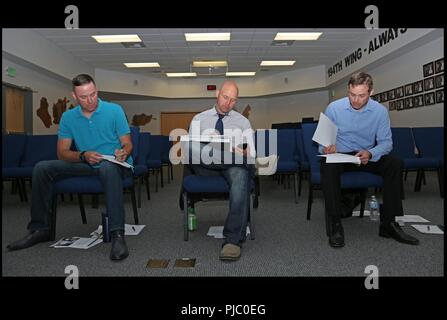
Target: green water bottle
<point>192,219</point>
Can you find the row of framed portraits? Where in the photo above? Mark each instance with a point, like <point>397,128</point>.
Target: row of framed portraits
<point>433,67</point>
<point>417,87</point>
<point>420,100</point>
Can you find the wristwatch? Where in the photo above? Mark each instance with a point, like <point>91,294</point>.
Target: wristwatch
<point>81,156</point>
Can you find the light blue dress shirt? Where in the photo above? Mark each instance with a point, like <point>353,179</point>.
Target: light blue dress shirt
<point>364,129</point>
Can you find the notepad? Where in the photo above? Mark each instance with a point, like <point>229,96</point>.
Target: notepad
<point>340,158</point>
<point>112,159</point>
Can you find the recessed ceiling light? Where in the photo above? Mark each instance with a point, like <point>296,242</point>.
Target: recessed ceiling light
<point>223,36</point>
<point>278,63</point>
<point>117,38</point>
<point>142,64</point>
<point>240,74</point>
<point>209,63</point>
<point>281,36</point>
<point>181,74</point>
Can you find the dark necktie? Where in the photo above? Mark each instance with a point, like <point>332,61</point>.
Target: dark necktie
<point>219,123</point>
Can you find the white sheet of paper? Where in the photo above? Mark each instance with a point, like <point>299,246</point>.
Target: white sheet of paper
<point>206,138</point>
<point>112,159</point>
<point>356,213</point>
<point>129,229</point>
<point>217,232</point>
<point>340,158</point>
<point>411,218</point>
<point>326,132</point>
<point>425,228</point>
<point>77,243</point>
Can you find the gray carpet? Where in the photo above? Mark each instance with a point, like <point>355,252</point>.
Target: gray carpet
<point>286,243</point>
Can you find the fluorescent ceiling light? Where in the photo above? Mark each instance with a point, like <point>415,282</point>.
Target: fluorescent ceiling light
<point>210,63</point>
<point>240,74</point>
<point>117,38</point>
<point>223,36</point>
<point>142,64</point>
<point>282,36</point>
<point>181,74</point>
<point>278,63</point>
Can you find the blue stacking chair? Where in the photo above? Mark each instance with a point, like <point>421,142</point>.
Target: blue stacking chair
<point>288,157</point>
<point>141,171</point>
<point>91,185</point>
<point>430,144</point>
<point>154,159</point>
<point>302,158</point>
<point>349,180</point>
<point>166,145</point>
<point>13,148</point>
<point>197,188</point>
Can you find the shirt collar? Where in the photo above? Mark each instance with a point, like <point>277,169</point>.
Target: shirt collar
<point>98,109</point>
<point>214,110</point>
<point>367,107</point>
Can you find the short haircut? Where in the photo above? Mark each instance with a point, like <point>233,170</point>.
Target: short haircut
<point>82,79</point>
<point>361,78</point>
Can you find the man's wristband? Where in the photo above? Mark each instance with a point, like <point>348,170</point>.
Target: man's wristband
<point>81,156</point>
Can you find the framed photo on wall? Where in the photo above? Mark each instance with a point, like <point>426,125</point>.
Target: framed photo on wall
<point>408,89</point>
<point>400,104</point>
<point>409,103</point>
<point>418,86</point>
<point>400,92</point>
<point>392,105</point>
<point>440,96</point>
<point>429,84</point>
<point>419,101</point>
<point>429,98</point>
<point>439,80</point>
<point>383,97</point>
<point>428,69</point>
<point>391,94</point>
<point>439,65</point>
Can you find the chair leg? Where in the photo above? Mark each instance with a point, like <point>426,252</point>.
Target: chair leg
<point>134,204</point>
<point>53,218</point>
<point>156,180</point>
<point>300,175</point>
<point>295,186</point>
<point>167,173</point>
<point>309,201</point>
<point>171,168</point>
<point>23,185</point>
<point>139,183</point>
<point>423,177</point>
<point>81,206</point>
<point>161,177</point>
<point>405,176</point>
<point>441,181</point>
<point>250,216</point>
<point>146,177</point>
<point>362,202</point>
<point>185,217</point>
<point>417,184</point>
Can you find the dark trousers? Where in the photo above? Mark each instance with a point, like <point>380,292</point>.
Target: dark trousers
<point>388,167</point>
<point>45,173</point>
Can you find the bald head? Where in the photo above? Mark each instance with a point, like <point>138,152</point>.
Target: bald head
<point>227,96</point>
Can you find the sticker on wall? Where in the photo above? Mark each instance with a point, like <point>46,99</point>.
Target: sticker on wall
<point>43,113</point>
<point>58,109</point>
<point>142,119</point>
<point>246,112</point>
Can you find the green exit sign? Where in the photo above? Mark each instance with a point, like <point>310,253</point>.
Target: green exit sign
<point>11,72</point>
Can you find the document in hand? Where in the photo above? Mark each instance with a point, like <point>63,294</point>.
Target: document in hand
<point>326,132</point>
<point>112,159</point>
<point>340,158</point>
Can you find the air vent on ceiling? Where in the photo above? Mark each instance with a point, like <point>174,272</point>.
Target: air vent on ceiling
<point>133,45</point>
<point>282,43</point>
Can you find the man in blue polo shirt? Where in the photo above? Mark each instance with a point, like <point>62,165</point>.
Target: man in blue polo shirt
<point>364,131</point>
<point>97,128</point>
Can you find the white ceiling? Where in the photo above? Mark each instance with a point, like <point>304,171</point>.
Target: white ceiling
<point>244,52</point>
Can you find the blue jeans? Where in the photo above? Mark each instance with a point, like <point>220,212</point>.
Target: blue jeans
<point>45,173</point>
<point>238,177</point>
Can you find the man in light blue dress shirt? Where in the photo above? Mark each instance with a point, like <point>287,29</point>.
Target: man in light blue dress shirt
<point>364,131</point>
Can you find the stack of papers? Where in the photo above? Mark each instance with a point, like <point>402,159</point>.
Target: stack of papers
<point>112,159</point>
<point>340,157</point>
<point>217,232</point>
<point>429,229</point>
<point>77,242</point>
<point>129,229</point>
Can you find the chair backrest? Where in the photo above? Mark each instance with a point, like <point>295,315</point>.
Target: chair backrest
<point>429,141</point>
<point>311,148</point>
<point>165,147</point>
<point>144,147</point>
<point>155,147</point>
<point>403,143</point>
<point>287,149</point>
<point>13,147</point>
<point>135,136</point>
<point>38,148</point>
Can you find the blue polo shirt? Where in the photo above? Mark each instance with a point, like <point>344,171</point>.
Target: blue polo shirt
<point>366,129</point>
<point>100,133</point>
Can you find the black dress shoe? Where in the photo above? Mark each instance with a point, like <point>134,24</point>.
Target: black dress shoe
<point>119,248</point>
<point>33,237</point>
<point>393,230</point>
<point>336,234</point>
